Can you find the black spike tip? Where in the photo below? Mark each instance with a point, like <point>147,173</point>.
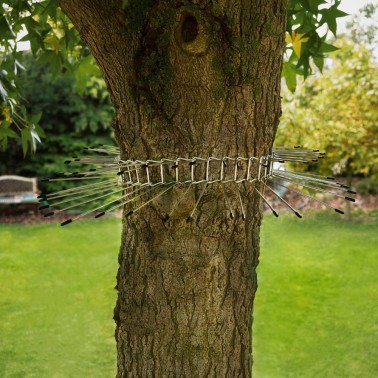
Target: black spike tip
<point>68,221</point>
<point>42,196</point>
<point>189,219</point>
<point>343,185</point>
<point>49,214</point>
<point>243,217</point>
<point>231,215</point>
<point>166,218</point>
<point>351,191</point>
<point>297,214</point>
<point>175,166</point>
<point>129,214</point>
<point>339,211</point>
<point>350,199</point>
<point>330,178</point>
<point>297,146</point>
<point>67,162</point>
<point>275,213</point>
<point>100,214</point>
<point>43,207</point>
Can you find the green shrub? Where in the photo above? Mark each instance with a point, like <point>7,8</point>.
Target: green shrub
<point>368,185</point>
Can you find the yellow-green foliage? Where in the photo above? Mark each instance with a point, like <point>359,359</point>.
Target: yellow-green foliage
<point>337,111</point>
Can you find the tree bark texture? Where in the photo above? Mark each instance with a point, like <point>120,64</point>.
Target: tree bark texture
<point>188,78</point>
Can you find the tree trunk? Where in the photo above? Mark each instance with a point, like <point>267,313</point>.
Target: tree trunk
<point>188,78</point>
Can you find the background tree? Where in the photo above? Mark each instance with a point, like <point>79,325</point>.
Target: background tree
<point>338,110</point>
<point>72,119</point>
<point>186,78</point>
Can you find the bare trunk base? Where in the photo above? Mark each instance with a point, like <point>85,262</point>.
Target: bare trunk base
<point>185,295</point>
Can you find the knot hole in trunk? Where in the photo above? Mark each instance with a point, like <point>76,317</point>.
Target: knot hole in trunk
<point>190,35</point>
<point>189,29</point>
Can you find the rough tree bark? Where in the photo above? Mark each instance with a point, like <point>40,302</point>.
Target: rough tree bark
<point>188,78</point>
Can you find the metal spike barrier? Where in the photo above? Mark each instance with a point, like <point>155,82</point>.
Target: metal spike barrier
<point>136,183</point>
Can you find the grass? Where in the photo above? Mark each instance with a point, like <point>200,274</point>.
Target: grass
<point>56,300</point>
<point>315,311</point>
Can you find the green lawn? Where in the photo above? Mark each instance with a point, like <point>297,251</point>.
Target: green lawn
<point>315,311</point>
<point>57,298</point>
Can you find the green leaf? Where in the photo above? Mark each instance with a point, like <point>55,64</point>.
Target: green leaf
<point>25,138</point>
<point>6,131</point>
<point>34,138</point>
<point>12,134</point>
<point>50,8</point>
<point>329,16</point>
<point>3,92</point>
<point>5,31</point>
<point>311,5</point>
<point>3,143</point>
<point>289,72</point>
<point>326,47</point>
<point>53,59</point>
<point>83,71</point>
<point>40,131</point>
<point>35,118</point>
<point>36,43</point>
<point>319,62</point>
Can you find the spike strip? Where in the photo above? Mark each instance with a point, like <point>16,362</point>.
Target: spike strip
<point>285,202</point>
<point>136,178</point>
<point>116,200</point>
<point>318,181</point>
<point>190,217</point>
<point>266,202</point>
<point>132,191</point>
<point>240,202</point>
<point>227,201</point>
<point>174,207</point>
<point>325,178</point>
<point>93,192</point>
<point>296,182</point>
<point>79,189</point>
<point>169,186</point>
<point>307,196</point>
